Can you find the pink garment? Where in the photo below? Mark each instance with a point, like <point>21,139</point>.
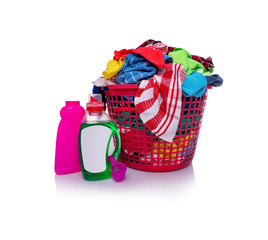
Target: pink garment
<point>158,101</point>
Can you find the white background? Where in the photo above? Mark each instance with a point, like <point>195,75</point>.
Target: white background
<point>50,51</point>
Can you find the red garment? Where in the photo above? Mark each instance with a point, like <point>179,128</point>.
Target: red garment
<point>205,62</point>
<point>152,55</point>
<point>170,49</point>
<point>121,53</point>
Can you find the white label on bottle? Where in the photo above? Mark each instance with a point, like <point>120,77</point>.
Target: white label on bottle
<point>94,140</point>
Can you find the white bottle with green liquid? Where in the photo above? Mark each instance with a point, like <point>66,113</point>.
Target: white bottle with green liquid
<point>98,135</point>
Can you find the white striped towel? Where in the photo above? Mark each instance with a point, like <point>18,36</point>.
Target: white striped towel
<point>158,101</point>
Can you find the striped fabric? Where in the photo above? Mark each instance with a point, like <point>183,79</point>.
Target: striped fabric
<point>161,46</point>
<point>158,101</point>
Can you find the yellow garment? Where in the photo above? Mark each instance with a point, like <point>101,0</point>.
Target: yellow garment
<point>113,67</point>
<point>160,148</point>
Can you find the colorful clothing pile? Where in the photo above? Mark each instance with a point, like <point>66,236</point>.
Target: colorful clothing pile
<point>163,74</point>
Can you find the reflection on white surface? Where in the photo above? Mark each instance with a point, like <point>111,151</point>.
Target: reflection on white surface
<point>138,182</point>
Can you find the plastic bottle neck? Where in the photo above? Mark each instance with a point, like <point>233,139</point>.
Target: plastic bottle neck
<point>95,113</point>
<point>96,117</point>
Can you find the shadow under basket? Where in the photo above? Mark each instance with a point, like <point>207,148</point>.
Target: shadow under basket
<point>142,150</point>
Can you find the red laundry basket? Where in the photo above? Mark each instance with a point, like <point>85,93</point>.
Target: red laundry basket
<point>142,150</point>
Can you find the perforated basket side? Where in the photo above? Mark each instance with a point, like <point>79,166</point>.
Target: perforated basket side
<point>142,150</point>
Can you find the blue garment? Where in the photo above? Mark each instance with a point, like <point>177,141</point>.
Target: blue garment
<point>135,69</point>
<point>194,84</point>
<point>214,80</point>
<point>168,59</point>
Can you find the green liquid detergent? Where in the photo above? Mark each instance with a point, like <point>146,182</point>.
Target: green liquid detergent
<point>98,139</point>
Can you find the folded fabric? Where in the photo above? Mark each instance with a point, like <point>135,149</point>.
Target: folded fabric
<point>214,80</point>
<point>194,84</point>
<point>183,57</point>
<point>158,101</point>
<point>135,69</point>
<point>154,56</point>
<point>113,67</point>
<point>207,63</point>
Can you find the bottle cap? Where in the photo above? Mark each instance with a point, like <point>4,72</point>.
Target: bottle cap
<point>72,103</point>
<point>95,103</point>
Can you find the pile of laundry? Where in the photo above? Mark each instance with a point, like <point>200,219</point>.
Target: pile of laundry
<point>163,74</point>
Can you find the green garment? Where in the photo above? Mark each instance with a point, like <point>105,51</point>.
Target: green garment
<point>205,73</point>
<point>183,57</point>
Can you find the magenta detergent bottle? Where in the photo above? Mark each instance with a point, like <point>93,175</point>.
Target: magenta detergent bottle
<point>67,154</point>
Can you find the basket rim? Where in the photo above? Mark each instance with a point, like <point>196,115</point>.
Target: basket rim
<point>123,86</point>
